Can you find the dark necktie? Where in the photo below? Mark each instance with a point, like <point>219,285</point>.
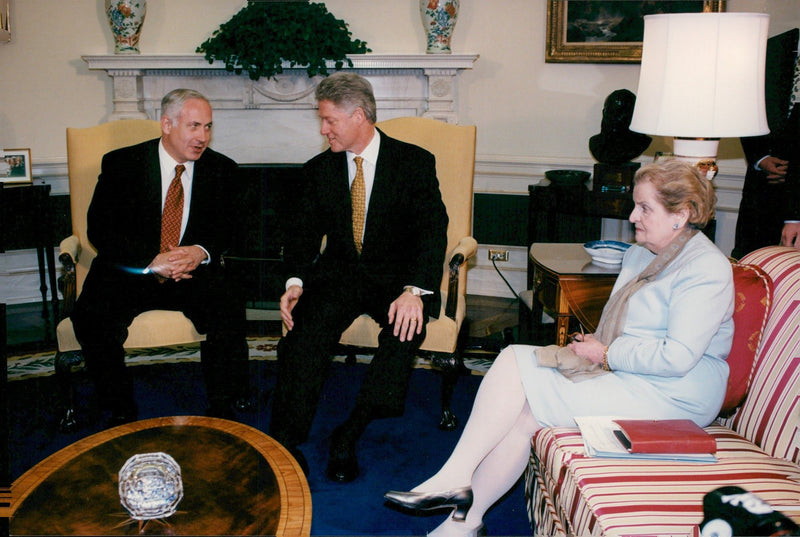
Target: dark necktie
<point>358,199</point>
<point>172,216</point>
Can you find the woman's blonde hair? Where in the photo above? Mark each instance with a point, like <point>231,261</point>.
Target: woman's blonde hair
<point>679,185</point>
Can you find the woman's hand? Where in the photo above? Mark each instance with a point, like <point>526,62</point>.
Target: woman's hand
<point>586,346</point>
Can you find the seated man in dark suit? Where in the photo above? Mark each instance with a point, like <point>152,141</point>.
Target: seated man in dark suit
<point>769,212</point>
<point>385,245</point>
<point>162,214</point>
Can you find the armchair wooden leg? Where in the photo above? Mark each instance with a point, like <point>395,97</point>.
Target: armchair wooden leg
<point>450,366</point>
<point>65,363</point>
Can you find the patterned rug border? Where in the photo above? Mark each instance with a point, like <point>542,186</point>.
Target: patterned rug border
<point>28,366</point>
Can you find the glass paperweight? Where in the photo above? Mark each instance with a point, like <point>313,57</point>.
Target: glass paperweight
<point>150,486</point>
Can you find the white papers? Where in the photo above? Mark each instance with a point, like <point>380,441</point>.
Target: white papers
<point>599,440</point>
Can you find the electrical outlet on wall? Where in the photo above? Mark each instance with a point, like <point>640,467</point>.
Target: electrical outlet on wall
<point>498,255</point>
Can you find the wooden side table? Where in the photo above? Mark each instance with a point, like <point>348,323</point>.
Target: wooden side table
<point>565,283</point>
<point>29,205</point>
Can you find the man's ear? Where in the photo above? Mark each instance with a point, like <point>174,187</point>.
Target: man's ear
<point>166,124</point>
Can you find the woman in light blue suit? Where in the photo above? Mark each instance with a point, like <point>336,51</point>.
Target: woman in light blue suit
<point>659,353</point>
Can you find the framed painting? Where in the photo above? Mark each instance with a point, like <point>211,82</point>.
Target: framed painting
<point>595,31</point>
<point>5,23</point>
<point>15,166</point>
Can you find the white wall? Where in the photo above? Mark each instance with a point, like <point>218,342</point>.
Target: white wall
<point>529,114</point>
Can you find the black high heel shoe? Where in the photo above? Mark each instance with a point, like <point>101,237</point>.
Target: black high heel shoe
<point>460,499</point>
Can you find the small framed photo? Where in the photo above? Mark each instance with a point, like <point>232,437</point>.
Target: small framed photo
<point>15,166</point>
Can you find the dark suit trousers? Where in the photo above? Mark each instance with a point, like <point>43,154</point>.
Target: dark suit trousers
<point>111,298</point>
<point>305,353</point>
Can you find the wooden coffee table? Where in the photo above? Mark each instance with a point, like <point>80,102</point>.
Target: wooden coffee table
<point>236,481</point>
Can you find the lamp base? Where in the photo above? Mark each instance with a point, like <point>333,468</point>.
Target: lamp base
<point>700,152</point>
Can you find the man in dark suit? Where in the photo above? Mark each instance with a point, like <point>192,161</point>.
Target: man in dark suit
<point>769,212</point>
<point>388,265</point>
<point>144,262</point>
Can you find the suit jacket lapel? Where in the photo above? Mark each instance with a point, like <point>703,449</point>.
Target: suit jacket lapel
<point>152,190</point>
<point>379,199</point>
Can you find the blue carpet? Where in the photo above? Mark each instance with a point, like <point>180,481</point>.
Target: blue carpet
<point>394,453</point>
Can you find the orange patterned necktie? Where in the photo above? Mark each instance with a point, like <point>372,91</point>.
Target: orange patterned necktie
<point>172,216</point>
<point>358,199</point>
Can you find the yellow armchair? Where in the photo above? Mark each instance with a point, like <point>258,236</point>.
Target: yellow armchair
<point>454,149</point>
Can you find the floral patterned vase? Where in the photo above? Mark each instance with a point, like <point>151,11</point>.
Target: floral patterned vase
<point>439,19</point>
<point>126,18</point>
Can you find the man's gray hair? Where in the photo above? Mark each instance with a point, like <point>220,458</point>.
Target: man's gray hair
<point>172,103</point>
<point>350,91</point>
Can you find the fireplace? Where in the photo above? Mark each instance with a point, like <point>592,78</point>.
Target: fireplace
<point>275,120</point>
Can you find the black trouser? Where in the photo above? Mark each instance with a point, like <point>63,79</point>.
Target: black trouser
<point>305,353</point>
<point>110,300</point>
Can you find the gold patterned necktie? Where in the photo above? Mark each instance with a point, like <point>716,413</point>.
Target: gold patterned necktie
<point>172,216</point>
<point>358,199</point>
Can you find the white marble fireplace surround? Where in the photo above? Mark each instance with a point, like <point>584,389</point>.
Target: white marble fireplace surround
<point>275,121</point>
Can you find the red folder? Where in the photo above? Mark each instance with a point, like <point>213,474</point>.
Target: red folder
<point>665,436</point>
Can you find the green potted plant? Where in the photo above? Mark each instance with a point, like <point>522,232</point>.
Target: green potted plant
<point>262,35</point>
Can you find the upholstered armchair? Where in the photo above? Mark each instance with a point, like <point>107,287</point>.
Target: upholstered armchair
<point>454,149</point>
<point>157,328</point>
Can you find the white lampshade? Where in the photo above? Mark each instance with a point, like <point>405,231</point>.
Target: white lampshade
<point>702,76</point>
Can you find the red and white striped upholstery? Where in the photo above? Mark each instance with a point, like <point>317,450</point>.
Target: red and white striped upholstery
<point>758,448</point>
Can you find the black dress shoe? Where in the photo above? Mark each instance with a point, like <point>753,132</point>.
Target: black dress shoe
<point>243,404</point>
<point>342,462</point>
<point>460,499</point>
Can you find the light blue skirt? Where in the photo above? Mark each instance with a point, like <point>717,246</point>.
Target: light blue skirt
<point>555,400</point>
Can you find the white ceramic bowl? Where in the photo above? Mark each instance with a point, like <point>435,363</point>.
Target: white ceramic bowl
<point>606,252</point>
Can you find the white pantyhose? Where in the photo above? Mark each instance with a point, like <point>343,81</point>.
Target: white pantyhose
<point>493,451</point>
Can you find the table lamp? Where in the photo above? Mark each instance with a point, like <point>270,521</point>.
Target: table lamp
<point>701,79</point>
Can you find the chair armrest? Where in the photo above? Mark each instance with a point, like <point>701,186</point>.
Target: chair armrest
<point>70,246</point>
<point>466,248</point>
<point>69,251</point>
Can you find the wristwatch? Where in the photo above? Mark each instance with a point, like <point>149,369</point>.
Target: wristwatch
<point>416,291</point>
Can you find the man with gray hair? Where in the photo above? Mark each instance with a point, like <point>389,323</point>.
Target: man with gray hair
<point>162,214</point>
<point>375,203</point>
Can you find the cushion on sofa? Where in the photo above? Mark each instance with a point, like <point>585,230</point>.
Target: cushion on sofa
<point>753,303</point>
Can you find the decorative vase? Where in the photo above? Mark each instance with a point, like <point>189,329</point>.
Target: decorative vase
<point>439,18</point>
<point>126,18</point>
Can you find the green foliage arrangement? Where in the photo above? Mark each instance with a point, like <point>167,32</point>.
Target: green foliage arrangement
<point>262,35</point>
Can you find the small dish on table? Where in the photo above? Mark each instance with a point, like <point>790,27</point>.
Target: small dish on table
<point>606,252</point>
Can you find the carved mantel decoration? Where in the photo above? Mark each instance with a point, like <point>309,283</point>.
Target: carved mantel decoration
<point>404,84</point>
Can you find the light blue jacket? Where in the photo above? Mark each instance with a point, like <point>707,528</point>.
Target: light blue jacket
<point>681,318</point>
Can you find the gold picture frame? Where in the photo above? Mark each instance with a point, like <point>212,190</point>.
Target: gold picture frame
<point>15,166</point>
<point>562,47</point>
<point>5,21</point>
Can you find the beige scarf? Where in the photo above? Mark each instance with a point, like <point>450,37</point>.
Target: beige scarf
<point>612,321</point>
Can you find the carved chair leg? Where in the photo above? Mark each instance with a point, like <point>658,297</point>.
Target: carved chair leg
<point>450,366</point>
<point>64,366</point>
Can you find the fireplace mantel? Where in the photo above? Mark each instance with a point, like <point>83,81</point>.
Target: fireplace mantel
<point>404,84</point>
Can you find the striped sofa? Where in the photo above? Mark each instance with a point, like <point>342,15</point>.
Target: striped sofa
<point>758,446</point>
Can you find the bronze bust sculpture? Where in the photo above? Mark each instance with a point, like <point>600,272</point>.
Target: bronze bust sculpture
<point>616,143</point>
